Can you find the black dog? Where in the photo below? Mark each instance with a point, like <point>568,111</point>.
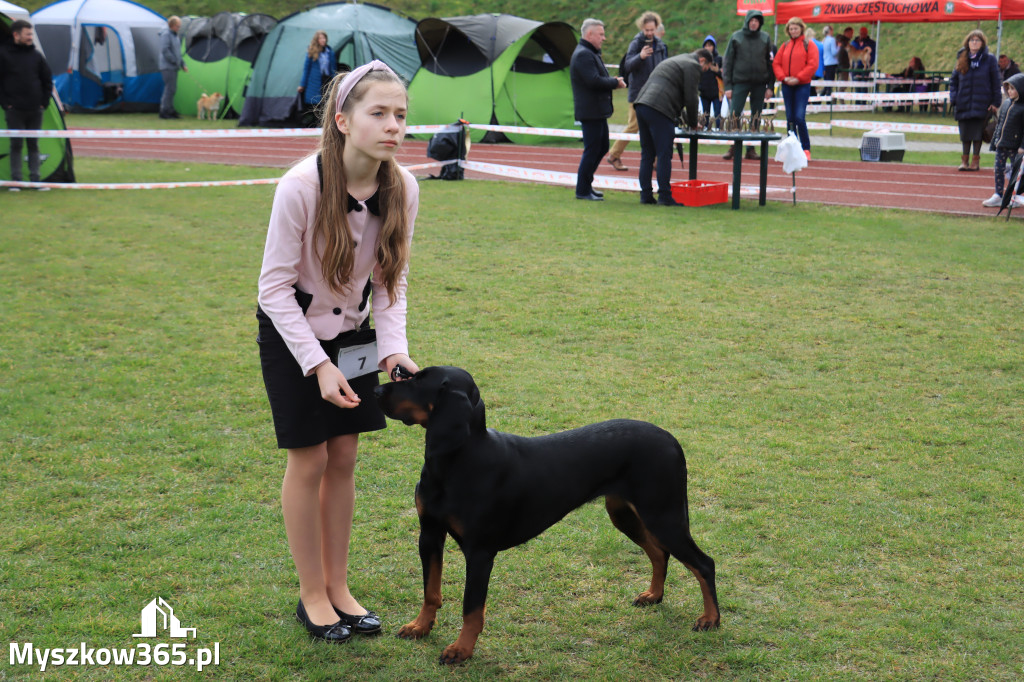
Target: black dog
<point>492,491</point>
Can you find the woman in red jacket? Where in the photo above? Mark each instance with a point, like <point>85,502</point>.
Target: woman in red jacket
<point>794,65</point>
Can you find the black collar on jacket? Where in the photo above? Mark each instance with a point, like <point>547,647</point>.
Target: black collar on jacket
<point>589,45</point>
<point>372,204</point>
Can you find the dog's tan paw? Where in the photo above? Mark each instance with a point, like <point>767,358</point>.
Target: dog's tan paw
<point>704,624</point>
<point>453,654</point>
<point>413,631</point>
<point>647,598</point>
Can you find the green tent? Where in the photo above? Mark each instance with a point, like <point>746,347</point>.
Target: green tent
<point>56,161</point>
<point>357,32</point>
<point>493,68</point>
<point>219,52</point>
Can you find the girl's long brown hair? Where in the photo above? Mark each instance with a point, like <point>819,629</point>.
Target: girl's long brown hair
<point>314,45</point>
<point>330,227</point>
<point>963,60</point>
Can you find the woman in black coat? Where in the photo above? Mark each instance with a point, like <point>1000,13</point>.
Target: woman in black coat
<point>974,91</point>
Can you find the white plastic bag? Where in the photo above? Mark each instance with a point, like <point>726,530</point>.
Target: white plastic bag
<point>791,154</point>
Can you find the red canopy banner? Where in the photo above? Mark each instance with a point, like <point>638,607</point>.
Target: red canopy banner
<point>767,7</point>
<point>1013,9</point>
<point>891,11</point>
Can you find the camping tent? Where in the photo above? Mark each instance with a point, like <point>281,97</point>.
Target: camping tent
<point>103,53</point>
<point>13,12</point>
<point>55,153</point>
<point>493,68</point>
<point>358,33</point>
<point>219,52</point>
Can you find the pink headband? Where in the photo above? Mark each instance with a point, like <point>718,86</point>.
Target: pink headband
<point>352,79</point>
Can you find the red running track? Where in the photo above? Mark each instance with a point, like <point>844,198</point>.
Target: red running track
<point>844,183</point>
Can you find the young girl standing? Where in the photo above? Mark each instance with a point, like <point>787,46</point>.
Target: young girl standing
<point>1008,137</point>
<point>339,237</point>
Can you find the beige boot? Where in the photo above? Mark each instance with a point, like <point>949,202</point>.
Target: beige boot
<point>975,163</point>
<point>963,162</point>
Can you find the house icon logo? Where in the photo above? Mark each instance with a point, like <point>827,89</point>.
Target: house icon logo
<point>158,616</point>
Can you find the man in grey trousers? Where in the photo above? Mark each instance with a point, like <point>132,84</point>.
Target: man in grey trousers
<point>170,61</point>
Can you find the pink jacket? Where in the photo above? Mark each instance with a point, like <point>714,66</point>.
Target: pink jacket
<point>290,259</point>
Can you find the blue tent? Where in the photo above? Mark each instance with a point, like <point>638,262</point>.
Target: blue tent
<point>103,53</point>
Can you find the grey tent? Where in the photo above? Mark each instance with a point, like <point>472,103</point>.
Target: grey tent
<point>493,68</point>
<point>357,32</point>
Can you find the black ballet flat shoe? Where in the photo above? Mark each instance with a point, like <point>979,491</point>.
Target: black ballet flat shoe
<point>366,624</point>
<point>336,633</point>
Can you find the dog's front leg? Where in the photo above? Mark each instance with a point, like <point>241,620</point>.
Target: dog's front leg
<point>432,536</point>
<point>478,576</point>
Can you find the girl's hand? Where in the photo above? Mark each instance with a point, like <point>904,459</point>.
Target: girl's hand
<point>302,89</point>
<point>393,361</point>
<point>333,387</point>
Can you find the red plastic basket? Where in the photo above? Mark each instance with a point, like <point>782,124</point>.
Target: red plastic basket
<point>700,192</point>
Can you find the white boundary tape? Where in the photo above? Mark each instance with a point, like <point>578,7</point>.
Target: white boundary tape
<point>611,182</point>
<point>196,134</point>
<point>174,185</point>
<point>569,179</point>
<point>898,127</point>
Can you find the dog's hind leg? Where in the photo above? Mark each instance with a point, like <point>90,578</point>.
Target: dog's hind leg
<point>624,517</point>
<point>675,536</point>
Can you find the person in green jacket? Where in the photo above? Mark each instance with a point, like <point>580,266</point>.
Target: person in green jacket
<point>748,70</point>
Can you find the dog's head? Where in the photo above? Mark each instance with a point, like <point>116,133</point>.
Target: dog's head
<point>444,400</point>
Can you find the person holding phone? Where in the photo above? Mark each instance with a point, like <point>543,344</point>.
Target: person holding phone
<point>645,52</point>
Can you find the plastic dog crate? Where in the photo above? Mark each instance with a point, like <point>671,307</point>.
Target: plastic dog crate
<point>882,146</point>
<point>700,192</point>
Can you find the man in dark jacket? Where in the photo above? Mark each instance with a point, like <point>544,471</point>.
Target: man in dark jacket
<point>592,103</point>
<point>25,86</point>
<point>1007,67</point>
<point>671,90</point>
<point>748,70</point>
<point>645,52</point>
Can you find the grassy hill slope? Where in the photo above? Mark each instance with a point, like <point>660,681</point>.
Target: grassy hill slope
<point>686,21</point>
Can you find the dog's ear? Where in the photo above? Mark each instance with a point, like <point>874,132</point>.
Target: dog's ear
<point>450,421</point>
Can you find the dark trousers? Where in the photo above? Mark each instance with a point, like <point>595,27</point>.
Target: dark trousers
<point>830,75</point>
<point>24,120</point>
<point>595,146</point>
<point>740,92</point>
<point>709,105</point>
<point>656,134</point>
<point>1004,158</point>
<point>170,77</point>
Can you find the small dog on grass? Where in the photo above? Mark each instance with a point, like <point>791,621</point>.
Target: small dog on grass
<point>208,106</point>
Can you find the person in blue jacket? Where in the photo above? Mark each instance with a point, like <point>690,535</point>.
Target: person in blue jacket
<point>820,73</point>
<point>317,71</point>
<point>711,85</point>
<point>974,91</point>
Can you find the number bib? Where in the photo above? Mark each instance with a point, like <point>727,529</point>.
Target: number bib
<point>355,361</point>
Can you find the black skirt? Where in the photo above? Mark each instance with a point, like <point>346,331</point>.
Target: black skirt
<point>302,418</point>
<point>971,129</point>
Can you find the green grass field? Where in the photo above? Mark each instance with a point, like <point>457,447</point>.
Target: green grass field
<point>847,385</point>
